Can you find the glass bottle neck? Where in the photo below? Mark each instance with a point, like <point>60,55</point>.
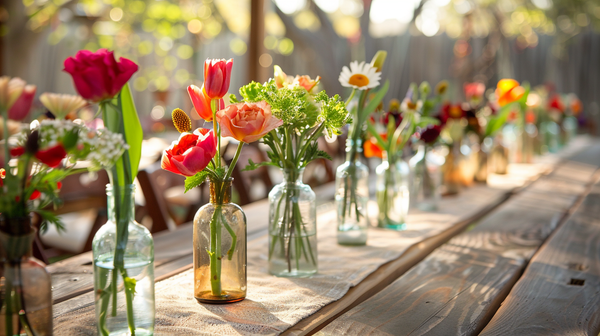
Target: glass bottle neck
<point>292,176</point>
<point>127,205</point>
<point>353,149</point>
<point>220,192</point>
<point>16,248</point>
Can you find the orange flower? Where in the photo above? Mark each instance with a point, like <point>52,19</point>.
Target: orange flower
<point>247,122</point>
<point>508,91</point>
<point>306,82</point>
<point>372,148</point>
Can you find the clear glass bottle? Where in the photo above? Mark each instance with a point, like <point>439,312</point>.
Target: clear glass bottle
<point>220,248</point>
<point>426,178</point>
<point>124,289</point>
<point>351,197</point>
<point>498,158</point>
<point>481,172</point>
<point>451,170</point>
<point>393,195</point>
<point>570,125</point>
<point>25,287</point>
<point>292,227</point>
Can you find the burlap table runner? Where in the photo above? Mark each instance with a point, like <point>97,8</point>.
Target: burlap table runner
<point>275,304</point>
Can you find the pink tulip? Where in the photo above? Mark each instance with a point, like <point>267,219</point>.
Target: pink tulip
<point>201,102</point>
<point>191,153</point>
<point>217,74</point>
<point>97,75</point>
<point>247,122</point>
<point>20,109</point>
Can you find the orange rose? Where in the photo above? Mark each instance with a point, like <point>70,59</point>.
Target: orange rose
<point>508,91</point>
<point>247,122</point>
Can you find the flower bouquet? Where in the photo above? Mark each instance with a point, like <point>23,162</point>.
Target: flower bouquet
<point>305,116</point>
<point>123,250</point>
<point>352,190</point>
<point>393,173</point>
<point>220,226</point>
<point>37,159</point>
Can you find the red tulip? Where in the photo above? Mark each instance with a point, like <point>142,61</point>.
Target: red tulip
<point>51,156</point>
<point>556,103</point>
<point>191,153</point>
<point>217,75</point>
<point>20,109</point>
<point>201,102</point>
<point>97,75</point>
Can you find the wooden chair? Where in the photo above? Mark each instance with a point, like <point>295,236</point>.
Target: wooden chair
<point>79,194</point>
<point>164,192</point>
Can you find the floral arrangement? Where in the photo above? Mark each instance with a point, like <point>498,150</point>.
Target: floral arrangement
<point>99,78</point>
<point>360,77</point>
<point>196,154</point>
<point>45,154</point>
<point>305,115</point>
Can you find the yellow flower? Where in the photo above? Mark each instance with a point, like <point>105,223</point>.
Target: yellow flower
<point>61,104</point>
<point>360,76</point>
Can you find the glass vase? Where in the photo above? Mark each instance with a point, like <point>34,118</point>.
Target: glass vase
<point>351,197</point>
<point>220,248</point>
<point>451,170</point>
<point>498,157</point>
<point>25,287</point>
<point>569,125</point>
<point>393,196</point>
<point>124,281</point>
<point>426,179</point>
<point>292,227</point>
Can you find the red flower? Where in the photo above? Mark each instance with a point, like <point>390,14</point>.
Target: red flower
<point>201,102</point>
<point>217,74</point>
<point>97,75</point>
<point>51,156</point>
<point>17,151</point>
<point>556,103</point>
<point>430,134</point>
<point>397,118</point>
<point>191,153</point>
<point>453,111</point>
<point>58,185</point>
<point>35,195</point>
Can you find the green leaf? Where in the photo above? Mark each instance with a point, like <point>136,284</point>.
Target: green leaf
<point>373,132</point>
<point>372,105</point>
<point>134,133</point>
<point>496,123</point>
<point>193,181</point>
<point>70,139</point>
<point>252,165</point>
<point>233,99</point>
<point>426,121</point>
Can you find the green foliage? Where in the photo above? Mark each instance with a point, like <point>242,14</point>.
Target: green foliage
<point>133,132</point>
<point>192,182</point>
<point>334,114</point>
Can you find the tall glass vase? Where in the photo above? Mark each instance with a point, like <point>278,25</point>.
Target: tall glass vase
<point>392,192</point>
<point>426,179</point>
<point>25,287</point>
<point>124,288</point>
<point>292,227</point>
<point>220,248</point>
<point>351,197</point>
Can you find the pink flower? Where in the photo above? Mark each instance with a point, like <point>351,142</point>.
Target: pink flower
<point>217,74</point>
<point>20,109</point>
<point>474,91</point>
<point>191,153</point>
<point>247,122</point>
<point>201,102</point>
<point>97,75</point>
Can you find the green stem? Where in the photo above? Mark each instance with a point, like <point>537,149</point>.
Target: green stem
<point>234,161</point>
<point>215,253</point>
<point>216,131</point>
<point>273,225</point>
<point>8,313</point>
<point>351,96</point>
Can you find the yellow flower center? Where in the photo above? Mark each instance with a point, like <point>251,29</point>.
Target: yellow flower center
<point>182,122</point>
<point>359,80</point>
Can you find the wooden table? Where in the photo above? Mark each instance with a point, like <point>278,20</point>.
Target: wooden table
<point>520,258</point>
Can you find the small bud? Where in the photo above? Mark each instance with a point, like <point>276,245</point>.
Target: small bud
<point>441,87</point>
<point>424,89</point>
<point>378,60</point>
<point>32,144</point>
<point>181,120</point>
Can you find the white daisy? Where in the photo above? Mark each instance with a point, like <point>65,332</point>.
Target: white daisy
<point>360,76</point>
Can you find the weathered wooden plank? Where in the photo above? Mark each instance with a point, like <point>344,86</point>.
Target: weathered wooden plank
<point>457,288</point>
<point>558,293</point>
